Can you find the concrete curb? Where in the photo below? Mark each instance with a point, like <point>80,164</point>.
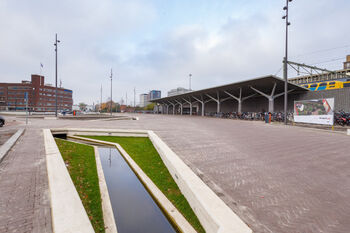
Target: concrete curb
<point>5,148</point>
<point>108,216</point>
<point>50,118</point>
<point>213,213</point>
<point>67,211</point>
<point>173,214</point>
<point>100,132</point>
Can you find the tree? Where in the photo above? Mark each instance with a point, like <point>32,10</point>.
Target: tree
<point>82,106</point>
<point>150,106</point>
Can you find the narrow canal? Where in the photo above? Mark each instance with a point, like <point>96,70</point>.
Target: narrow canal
<point>134,209</point>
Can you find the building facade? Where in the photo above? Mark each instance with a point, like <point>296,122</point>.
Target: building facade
<point>144,100</point>
<point>41,97</point>
<point>178,91</point>
<point>155,94</point>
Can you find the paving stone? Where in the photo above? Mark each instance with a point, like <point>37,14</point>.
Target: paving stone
<point>276,178</point>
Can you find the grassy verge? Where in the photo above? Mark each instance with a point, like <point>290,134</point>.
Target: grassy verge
<point>145,155</point>
<point>82,169</point>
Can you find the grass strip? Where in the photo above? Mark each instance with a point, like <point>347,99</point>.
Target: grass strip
<point>81,165</point>
<point>142,151</point>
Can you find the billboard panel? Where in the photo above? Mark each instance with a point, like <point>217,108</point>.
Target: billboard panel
<point>318,111</point>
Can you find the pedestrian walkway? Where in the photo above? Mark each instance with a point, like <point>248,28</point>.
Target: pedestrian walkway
<point>24,199</point>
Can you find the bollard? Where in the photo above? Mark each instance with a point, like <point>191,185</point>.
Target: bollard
<point>348,132</point>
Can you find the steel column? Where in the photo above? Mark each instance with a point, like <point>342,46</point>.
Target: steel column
<point>239,99</point>
<point>202,102</point>
<point>181,108</point>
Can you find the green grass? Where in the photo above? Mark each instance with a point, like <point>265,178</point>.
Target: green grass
<point>82,169</point>
<point>145,155</point>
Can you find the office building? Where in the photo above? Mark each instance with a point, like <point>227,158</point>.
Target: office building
<point>41,96</point>
<point>154,94</point>
<point>143,100</point>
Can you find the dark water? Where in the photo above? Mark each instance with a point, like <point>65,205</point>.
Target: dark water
<point>134,209</point>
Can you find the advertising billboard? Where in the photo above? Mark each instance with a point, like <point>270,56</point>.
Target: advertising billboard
<point>318,111</point>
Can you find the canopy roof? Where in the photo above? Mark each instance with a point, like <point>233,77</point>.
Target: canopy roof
<point>264,84</point>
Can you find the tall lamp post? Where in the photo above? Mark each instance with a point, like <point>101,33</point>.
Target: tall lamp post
<point>285,64</point>
<point>190,75</point>
<point>111,90</point>
<point>56,43</point>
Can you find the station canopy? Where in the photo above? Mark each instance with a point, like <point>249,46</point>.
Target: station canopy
<point>263,84</point>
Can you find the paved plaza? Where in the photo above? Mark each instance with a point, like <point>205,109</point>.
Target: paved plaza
<point>276,178</point>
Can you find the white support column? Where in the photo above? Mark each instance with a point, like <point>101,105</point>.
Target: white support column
<point>239,99</point>
<point>190,103</point>
<point>167,109</point>
<point>202,102</point>
<point>271,98</point>
<point>173,107</point>
<point>216,100</point>
<point>181,106</point>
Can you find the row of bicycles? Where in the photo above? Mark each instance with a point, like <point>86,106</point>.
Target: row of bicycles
<point>341,118</point>
<point>252,116</point>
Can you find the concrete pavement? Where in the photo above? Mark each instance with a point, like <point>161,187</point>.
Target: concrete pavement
<point>276,178</point>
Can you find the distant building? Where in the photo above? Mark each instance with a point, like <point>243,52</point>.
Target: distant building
<point>123,108</point>
<point>155,94</point>
<point>347,62</point>
<point>178,91</point>
<point>41,97</point>
<point>144,100</point>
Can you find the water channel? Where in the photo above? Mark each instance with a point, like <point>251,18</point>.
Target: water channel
<point>134,209</point>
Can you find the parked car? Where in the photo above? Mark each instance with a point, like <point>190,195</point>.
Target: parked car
<point>2,121</point>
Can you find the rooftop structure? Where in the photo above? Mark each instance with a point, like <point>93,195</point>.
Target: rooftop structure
<point>178,91</point>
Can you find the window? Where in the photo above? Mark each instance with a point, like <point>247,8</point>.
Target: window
<point>331,83</point>
<point>19,88</point>
<point>313,85</point>
<point>323,84</point>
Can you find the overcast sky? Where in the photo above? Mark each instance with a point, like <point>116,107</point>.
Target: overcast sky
<point>156,44</point>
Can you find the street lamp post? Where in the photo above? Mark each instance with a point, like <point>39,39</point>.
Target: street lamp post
<point>111,90</point>
<point>56,43</point>
<point>190,75</point>
<point>285,64</point>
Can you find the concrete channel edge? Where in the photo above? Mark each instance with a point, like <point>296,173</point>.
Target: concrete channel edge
<point>175,217</point>
<point>108,216</point>
<point>6,147</point>
<point>212,212</point>
<point>67,211</point>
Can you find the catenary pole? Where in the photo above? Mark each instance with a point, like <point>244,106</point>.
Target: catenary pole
<point>111,90</point>
<point>56,43</point>
<point>101,100</point>
<point>285,63</point>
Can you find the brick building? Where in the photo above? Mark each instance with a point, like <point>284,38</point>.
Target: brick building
<point>41,97</point>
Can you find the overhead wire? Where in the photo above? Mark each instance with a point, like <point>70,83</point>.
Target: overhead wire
<point>322,50</point>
